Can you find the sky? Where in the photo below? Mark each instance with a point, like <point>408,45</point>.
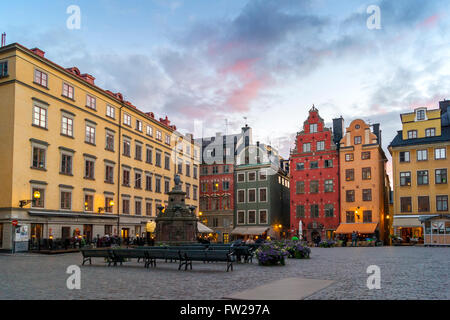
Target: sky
<point>262,62</point>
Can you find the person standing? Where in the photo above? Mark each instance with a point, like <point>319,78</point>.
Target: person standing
<point>354,238</point>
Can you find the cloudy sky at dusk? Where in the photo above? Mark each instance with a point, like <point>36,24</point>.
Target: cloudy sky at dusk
<point>269,61</point>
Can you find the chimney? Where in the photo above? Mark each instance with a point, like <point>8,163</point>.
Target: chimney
<point>338,130</point>
<point>3,39</point>
<point>151,115</point>
<point>88,78</point>
<point>443,105</point>
<point>377,132</point>
<point>39,52</point>
<point>165,121</point>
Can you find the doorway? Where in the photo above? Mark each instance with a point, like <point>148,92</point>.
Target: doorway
<point>65,233</point>
<point>87,232</point>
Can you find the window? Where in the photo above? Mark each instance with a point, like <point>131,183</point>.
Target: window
<point>168,141</point>
<point>367,194</point>
<point>430,132</point>
<point>66,200</point>
<point>252,176</point>
<point>110,112</point>
<point>405,178</point>
<point>166,186</point>
<point>251,195</point>
<point>328,185</point>
<point>313,128</point>
<point>158,159</point>
<point>148,155</point>
<point>215,169</point>
<point>314,165</point>
<point>148,183</point>
<point>194,193</point>
<point>423,203</point>
<point>349,174</point>
<point>90,134</point>
<point>226,169</point>
<point>350,196</point>
<point>138,152</point>
<point>180,167</point>
<point>204,187</point>
<point>422,177</point>
<point>329,210</point>
<point>188,169</point>
<point>127,148</point>
<point>300,187</point>
<point>66,164</point>
<point>109,174</point>
<point>366,173</point>
<point>67,126</point>
<point>412,134</point>
<point>307,147</point>
<point>442,203</point>
<point>241,196</point>
<point>127,119</point>
<point>225,185</point>
<point>139,125</point>
<point>314,210</point>
<point>158,184</point>
<point>148,208</point>
<point>150,131</point>
<point>109,141</point>
<point>440,176</point>
<point>126,206</point>
<point>367,216</point>
<point>328,163</point>
<point>405,204</point>
<point>88,202</point>
<point>40,78</point>
<point>262,175</point>
<point>358,140</point>
<point>195,172</point>
<point>263,217</point>
<point>67,91</point>
<point>350,216</point>
<point>91,102</point>
<point>39,157</point>
<point>89,166</point>
<point>3,73</point>
<point>420,114</point>
<point>108,207</point>
<point>320,145</point>
<point>300,166</point>
<point>241,217</point>
<point>40,116</point>
<point>38,203</point>
<point>251,216</point>
<point>126,177</point>
<point>349,157</point>
<point>241,177</point>
<point>314,186</point>
<point>138,207</point>
<point>439,153</point>
<point>404,156</point>
<point>138,180</point>
<point>365,155</point>
<point>158,135</point>
<point>262,195</point>
<point>422,155</point>
<point>300,211</point>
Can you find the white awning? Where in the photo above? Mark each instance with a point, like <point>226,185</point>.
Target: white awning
<point>255,231</point>
<point>203,229</point>
<point>410,222</point>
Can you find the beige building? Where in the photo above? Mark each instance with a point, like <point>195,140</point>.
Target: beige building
<point>80,160</point>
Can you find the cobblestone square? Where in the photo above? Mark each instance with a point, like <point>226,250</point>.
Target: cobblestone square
<point>406,273</point>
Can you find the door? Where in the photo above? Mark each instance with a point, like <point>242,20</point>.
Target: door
<point>125,233</point>
<point>65,233</point>
<point>87,232</point>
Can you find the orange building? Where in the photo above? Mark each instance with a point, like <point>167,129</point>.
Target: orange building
<point>364,183</point>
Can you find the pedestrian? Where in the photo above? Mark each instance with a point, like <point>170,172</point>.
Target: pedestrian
<point>354,238</point>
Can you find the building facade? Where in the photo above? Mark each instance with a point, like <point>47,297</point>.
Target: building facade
<point>261,193</point>
<point>79,160</point>
<point>314,164</point>
<point>420,171</point>
<point>363,182</point>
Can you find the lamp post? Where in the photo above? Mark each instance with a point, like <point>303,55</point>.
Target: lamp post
<point>36,197</point>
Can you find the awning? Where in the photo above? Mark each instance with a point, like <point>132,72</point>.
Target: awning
<point>254,231</point>
<point>365,228</point>
<point>203,229</point>
<point>407,222</point>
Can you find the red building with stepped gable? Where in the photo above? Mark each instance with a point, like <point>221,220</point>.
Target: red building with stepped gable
<point>314,169</point>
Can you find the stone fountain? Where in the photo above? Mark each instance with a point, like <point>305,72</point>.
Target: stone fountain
<point>177,223</point>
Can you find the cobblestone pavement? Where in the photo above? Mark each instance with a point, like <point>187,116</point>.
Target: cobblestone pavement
<point>406,273</point>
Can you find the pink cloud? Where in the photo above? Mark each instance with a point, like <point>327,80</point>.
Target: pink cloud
<point>240,99</point>
<point>430,22</point>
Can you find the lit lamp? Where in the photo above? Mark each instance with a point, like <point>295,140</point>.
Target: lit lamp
<point>356,213</point>
<point>36,197</point>
<point>101,209</point>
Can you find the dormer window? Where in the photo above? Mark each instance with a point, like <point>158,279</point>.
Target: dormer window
<point>420,115</point>
<point>430,132</point>
<point>412,134</point>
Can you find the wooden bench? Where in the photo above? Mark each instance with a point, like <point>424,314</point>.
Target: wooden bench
<point>97,253</point>
<point>120,255</point>
<point>206,256</point>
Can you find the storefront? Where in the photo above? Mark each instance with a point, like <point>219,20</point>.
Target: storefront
<point>364,230</point>
<point>408,227</point>
<point>436,230</point>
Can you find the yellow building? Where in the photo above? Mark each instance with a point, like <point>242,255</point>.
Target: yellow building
<point>364,183</point>
<point>420,170</point>
<point>90,161</point>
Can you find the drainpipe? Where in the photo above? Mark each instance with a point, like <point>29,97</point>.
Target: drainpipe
<point>118,171</point>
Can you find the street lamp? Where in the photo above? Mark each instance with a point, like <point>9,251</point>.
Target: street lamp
<point>101,209</point>
<point>36,197</point>
<point>356,213</point>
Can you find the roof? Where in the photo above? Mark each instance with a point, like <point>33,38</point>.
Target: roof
<point>365,228</point>
<point>399,142</point>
